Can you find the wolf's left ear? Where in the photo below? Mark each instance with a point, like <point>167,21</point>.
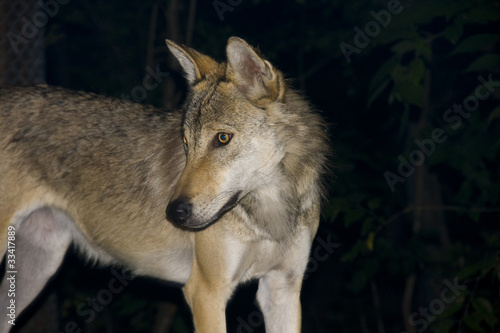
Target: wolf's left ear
<point>253,75</point>
<point>194,64</point>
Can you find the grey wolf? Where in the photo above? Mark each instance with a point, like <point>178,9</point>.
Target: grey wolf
<point>225,190</point>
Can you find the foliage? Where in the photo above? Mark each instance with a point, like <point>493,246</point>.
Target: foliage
<point>437,52</point>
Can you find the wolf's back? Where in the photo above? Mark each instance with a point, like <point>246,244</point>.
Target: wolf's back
<point>66,137</point>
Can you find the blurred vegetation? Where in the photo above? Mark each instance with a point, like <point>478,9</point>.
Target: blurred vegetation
<point>399,246</point>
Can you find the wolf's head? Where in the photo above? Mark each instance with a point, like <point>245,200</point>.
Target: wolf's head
<point>234,133</point>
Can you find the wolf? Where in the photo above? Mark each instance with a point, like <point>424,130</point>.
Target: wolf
<point>224,190</point>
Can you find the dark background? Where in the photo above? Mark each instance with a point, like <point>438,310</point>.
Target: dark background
<point>383,86</point>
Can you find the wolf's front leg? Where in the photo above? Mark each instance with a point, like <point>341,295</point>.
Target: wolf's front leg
<point>279,299</point>
<point>207,301</point>
<point>209,287</point>
<point>279,289</point>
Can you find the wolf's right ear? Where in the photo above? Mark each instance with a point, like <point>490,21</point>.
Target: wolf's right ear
<point>254,75</point>
<point>194,64</point>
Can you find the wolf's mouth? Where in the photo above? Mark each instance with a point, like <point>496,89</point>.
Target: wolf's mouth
<point>229,204</point>
<point>233,201</point>
<point>179,212</point>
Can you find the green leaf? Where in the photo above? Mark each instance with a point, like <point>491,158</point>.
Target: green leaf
<point>383,73</point>
<point>487,61</point>
<point>454,31</point>
<point>374,203</point>
<point>484,311</point>
<point>367,226</point>
<point>476,43</point>
<point>358,281</point>
<point>424,48</point>
<point>390,98</point>
<point>417,70</point>
<point>370,241</point>
<point>475,216</point>
<point>336,206</point>
<point>404,46</point>
<point>409,92</point>
<point>363,275</point>
<point>380,88</point>
<point>483,12</point>
<point>443,326</point>
<point>395,32</point>
<point>403,124</point>
<point>353,253</point>
<point>474,322</point>
<point>482,305</point>
<point>494,114</point>
<point>477,268</point>
<point>491,320</point>
<point>492,240</point>
<point>453,307</point>
<point>353,215</point>
<point>400,73</point>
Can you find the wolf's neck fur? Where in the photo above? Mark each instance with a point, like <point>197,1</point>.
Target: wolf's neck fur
<point>276,207</point>
<point>272,208</point>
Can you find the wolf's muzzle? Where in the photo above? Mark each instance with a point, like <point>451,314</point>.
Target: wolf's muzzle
<point>178,211</point>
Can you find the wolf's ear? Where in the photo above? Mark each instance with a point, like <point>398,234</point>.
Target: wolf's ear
<point>194,64</point>
<point>253,75</point>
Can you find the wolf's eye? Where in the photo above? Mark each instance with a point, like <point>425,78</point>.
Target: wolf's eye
<point>222,139</point>
<point>185,141</point>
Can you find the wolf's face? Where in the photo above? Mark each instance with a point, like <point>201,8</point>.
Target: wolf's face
<point>230,137</point>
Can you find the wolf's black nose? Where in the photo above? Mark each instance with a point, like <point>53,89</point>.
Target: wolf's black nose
<point>178,211</point>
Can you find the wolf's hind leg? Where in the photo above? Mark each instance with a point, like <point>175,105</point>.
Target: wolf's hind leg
<point>41,241</point>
